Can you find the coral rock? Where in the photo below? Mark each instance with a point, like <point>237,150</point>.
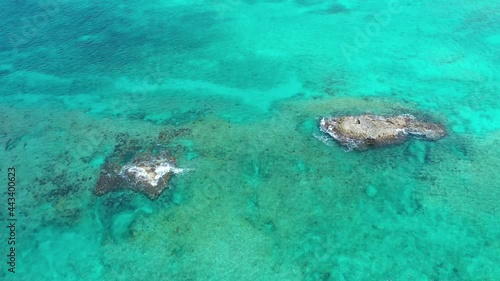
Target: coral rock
<point>149,175</point>
<point>362,131</point>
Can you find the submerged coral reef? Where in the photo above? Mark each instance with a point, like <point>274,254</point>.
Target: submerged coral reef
<point>363,131</point>
<point>146,174</point>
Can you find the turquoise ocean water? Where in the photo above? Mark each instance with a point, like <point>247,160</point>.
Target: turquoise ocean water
<point>234,89</point>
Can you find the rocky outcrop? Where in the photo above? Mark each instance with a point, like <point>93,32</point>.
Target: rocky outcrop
<point>363,131</point>
<point>146,174</point>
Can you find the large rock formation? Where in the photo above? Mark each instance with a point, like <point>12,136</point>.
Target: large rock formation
<point>362,131</point>
<point>145,174</point>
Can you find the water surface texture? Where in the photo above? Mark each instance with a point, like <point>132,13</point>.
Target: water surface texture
<point>234,91</point>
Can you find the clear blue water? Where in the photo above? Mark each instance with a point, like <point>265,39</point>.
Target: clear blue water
<point>234,89</point>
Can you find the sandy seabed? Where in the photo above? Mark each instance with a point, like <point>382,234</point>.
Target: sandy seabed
<point>234,90</point>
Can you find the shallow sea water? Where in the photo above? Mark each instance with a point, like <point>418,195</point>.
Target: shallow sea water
<point>234,90</point>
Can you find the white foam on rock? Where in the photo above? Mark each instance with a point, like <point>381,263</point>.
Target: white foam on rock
<point>349,143</point>
<point>149,172</point>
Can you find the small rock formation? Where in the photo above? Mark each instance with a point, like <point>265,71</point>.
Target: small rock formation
<point>146,174</point>
<point>362,131</point>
